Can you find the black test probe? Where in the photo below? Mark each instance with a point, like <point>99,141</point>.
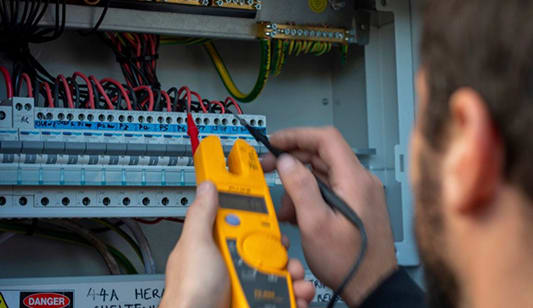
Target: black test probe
<point>332,199</point>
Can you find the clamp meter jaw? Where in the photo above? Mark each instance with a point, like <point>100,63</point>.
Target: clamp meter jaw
<point>246,228</point>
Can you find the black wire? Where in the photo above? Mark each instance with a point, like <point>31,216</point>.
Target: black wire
<point>100,20</point>
<point>105,229</point>
<point>59,90</point>
<point>97,96</point>
<point>76,91</point>
<point>133,97</point>
<point>210,107</point>
<point>157,99</point>
<point>174,99</point>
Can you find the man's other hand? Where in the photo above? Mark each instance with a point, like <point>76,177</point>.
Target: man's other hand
<point>330,242</point>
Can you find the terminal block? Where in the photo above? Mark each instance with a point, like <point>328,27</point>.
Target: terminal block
<point>254,5</point>
<point>268,30</point>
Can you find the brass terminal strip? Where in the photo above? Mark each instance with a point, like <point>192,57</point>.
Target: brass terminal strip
<point>253,5</point>
<point>304,33</point>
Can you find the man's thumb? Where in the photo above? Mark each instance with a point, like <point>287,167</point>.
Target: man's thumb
<point>201,214</point>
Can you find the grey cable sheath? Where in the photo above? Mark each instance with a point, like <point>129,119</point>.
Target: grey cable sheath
<point>146,251</point>
<point>91,238</point>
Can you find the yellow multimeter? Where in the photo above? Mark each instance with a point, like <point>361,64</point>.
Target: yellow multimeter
<point>246,228</point>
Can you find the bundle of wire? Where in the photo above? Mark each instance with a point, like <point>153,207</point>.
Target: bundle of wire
<point>108,93</point>
<point>77,232</point>
<point>137,55</point>
<point>19,27</point>
<point>273,56</point>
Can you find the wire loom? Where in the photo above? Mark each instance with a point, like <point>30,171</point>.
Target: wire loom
<point>274,53</point>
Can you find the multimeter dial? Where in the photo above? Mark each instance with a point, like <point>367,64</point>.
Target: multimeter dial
<point>264,250</point>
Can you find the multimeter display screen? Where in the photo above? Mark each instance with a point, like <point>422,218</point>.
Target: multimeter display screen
<point>242,202</point>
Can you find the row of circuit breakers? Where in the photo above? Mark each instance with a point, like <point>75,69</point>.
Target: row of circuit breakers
<point>57,162</point>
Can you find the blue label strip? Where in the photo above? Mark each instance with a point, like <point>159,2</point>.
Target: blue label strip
<point>141,127</point>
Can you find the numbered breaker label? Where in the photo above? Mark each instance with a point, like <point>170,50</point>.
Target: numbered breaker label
<point>21,121</point>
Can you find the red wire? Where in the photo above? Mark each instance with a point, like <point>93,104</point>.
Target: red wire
<point>102,91</point>
<point>188,91</point>
<point>192,131</point>
<point>48,91</point>
<point>150,96</point>
<point>154,43</point>
<point>219,104</point>
<point>167,99</point>
<point>121,89</point>
<point>232,101</point>
<point>7,79</point>
<point>89,87</point>
<point>67,90</point>
<point>200,100</point>
<point>27,79</point>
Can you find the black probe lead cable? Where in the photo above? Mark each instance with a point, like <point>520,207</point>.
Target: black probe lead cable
<point>334,202</point>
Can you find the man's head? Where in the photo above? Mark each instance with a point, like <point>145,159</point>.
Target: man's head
<point>472,148</point>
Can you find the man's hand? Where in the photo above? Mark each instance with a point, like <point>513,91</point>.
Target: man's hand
<point>330,242</point>
<point>196,275</point>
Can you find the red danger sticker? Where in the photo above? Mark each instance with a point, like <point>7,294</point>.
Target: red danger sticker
<point>47,300</point>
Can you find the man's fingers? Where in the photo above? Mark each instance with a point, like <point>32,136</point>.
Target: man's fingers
<point>296,269</point>
<point>301,303</point>
<point>303,290</point>
<point>201,214</point>
<point>285,241</point>
<point>327,143</point>
<point>302,188</point>
<point>287,212</point>
<point>268,162</point>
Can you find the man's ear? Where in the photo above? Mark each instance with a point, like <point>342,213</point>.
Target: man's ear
<point>473,159</point>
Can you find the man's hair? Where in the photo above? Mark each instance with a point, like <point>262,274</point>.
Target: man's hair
<point>486,45</point>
